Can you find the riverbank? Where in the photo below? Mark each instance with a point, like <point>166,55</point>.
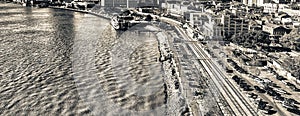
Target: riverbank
<point>169,90</point>
<point>144,85</point>
<point>103,12</point>
<point>175,101</point>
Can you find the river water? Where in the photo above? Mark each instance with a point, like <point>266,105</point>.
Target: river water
<point>58,62</point>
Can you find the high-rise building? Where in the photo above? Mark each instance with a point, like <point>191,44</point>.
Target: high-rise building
<point>233,25</point>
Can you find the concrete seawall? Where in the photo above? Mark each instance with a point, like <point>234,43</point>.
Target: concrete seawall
<point>105,16</point>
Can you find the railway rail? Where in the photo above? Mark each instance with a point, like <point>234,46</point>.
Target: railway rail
<point>233,97</point>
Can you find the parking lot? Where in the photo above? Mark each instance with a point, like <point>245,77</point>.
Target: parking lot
<point>271,93</point>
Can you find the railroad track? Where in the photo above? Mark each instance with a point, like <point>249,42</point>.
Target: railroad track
<point>238,93</point>
<point>237,102</point>
<point>219,75</point>
<point>228,97</point>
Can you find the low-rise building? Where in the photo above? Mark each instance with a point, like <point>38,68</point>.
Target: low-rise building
<point>276,30</point>
<point>286,19</point>
<point>128,3</point>
<point>274,7</point>
<point>262,2</point>
<point>270,8</point>
<point>291,12</point>
<point>120,3</point>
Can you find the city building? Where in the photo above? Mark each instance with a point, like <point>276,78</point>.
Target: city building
<point>250,2</point>
<point>149,3</point>
<point>281,1</point>
<point>176,6</point>
<point>262,2</point>
<point>270,8</point>
<point>275,31</point>
<point>255,2</point>
<point>232,25</point>
<point>195,19</point>
<point>286,19</point>
<point>129,3</point>
<point>119,3</point>
<point>290,11</point>
<point>199,6</point>
<point>211,28</point>
<point>275,8</point>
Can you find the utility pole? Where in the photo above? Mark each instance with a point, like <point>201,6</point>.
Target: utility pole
<point>127,4</point>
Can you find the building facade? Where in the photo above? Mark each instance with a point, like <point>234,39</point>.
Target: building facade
<point>262,2</point>
<point>274,8</point>
<point>275,30</point>
<point>232,25</point>
<point>176,7</point>
<point>125,3</point>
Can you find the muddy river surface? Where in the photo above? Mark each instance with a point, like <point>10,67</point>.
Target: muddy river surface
<point>58,62</point>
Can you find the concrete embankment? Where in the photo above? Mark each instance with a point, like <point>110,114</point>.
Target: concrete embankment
<point>97,11</point>
<point>177,103</point>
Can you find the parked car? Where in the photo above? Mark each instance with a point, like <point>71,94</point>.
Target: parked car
<point>252,76</point>
<point>267,109</point>
<point>259,80</point>
<point>279,98</point>
<point>246,87</point>
<point>266,80</point>
<point>237,79</point>
<point>271,92</point>
<point>289,84</point>
<point>278,77</point>
<point>281,91</point>
<point>262,104</point>
<point>288,104</point>
<point>252,95</point>
<point>292,86</point>
<point>259,89</point>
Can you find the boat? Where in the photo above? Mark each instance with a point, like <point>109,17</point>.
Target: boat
<point>82,5</point>
<point>131,17</point>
